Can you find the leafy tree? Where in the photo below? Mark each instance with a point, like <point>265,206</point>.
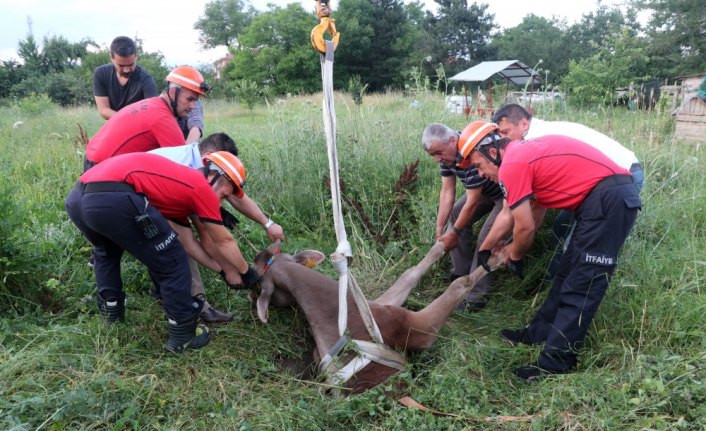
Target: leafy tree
<point>378,40</point>
<point>247,93</point>
<point>276,51</point>
<point>58,54</point>
<point>223,23</point>
<point>69,87</point>
<point>595,30</point>
<point>11,72</point>
<point>677,36</point>
<point>28,51</point>
<point>534,39</point>
<point>593,81</point>
<point>459,35</point>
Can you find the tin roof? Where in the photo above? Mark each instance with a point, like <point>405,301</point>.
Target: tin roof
<point>512,70</point>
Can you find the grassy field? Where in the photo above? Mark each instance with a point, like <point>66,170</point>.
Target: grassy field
<point>61,368</point>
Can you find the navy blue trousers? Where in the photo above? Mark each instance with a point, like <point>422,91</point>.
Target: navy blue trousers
<point>603,222</point>
<point>107,220</point>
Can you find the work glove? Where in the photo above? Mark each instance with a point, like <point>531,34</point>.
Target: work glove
<point>483,256</point>
<point>250,278</point>
<point>229,220</point>
<point>516,267</point>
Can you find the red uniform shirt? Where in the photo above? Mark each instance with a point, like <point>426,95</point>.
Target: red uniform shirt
<point>557,171</point>
<point>175,190</point>
<point>139,127</point>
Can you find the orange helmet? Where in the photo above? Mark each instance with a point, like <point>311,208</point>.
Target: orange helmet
<point>189,77</point>
<point>227,164</point>
<point>473,135</point>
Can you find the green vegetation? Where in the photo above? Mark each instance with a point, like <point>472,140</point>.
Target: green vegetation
<point>384,40</point>
<point>63,369</point>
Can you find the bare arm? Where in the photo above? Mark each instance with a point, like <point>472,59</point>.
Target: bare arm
<point>194,135</point>
<point>523,230</point>
<point>193,247</point>
<point>538,213</point>
<point>226,252</point>
<point>500,230</point>
<point>450,238</point>
<point>103,105</point>
<point>251,210</point>
<point>446,204</point>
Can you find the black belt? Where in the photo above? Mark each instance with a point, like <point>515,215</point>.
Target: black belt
<point>613,180</point>
<point>106,186</point>
<point>635,167</point>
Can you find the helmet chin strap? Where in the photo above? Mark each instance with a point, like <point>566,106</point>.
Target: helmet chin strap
<point>173,102</point>
<point>209,170</point>
<point>484,150</point>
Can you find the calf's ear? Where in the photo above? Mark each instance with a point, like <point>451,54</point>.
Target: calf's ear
<point>263,301</point>
<point>309,258</point>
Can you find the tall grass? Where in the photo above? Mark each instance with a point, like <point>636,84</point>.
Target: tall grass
<point>62,368</point>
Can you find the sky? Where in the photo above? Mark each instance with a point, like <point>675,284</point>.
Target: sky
<point>168,26</point>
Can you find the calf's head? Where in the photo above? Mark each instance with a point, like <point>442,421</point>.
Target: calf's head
<point>280,272</point>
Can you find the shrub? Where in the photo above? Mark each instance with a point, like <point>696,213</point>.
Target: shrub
<point>356,88</point>
<point>35,104</point>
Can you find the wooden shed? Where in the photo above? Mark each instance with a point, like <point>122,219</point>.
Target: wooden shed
<point>691,120</point>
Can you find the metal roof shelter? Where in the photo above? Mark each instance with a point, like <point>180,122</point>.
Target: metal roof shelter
<point>512,70</point>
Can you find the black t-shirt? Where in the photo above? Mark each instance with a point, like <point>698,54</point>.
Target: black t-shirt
<point>140,86</point>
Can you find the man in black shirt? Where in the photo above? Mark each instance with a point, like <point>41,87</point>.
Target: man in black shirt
<point>123,82</point>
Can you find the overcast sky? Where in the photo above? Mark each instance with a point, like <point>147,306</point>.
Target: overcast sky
<point>168,26</point>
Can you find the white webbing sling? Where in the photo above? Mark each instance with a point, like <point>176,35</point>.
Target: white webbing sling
<point>341,257</point>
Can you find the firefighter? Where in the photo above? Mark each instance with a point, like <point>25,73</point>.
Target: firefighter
<point>123,204</point>
<point>556,171</point>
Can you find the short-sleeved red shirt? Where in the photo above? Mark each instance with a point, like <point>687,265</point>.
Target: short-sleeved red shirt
<point>139,127</point>
<point>556,171</point>
<point>176,191</point>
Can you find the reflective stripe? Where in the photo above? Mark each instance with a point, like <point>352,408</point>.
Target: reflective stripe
<point>185,79</point>
<point>231,168</point>
<point>487,128</point>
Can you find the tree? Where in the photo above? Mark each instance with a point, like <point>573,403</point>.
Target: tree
<point>276,51</point>
<point>534,39</point>
<point>595,30</point>
<point>379,40</point>
<point>593,81</point>
<point>58,54</point>
<point>223,23</point>
<point>28,51</point>
<point>11,73</point>
<point>677,36</point>
<point>459,35</point>
<point>246,93</point>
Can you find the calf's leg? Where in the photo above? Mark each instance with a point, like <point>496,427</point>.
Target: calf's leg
<point>397,294</point>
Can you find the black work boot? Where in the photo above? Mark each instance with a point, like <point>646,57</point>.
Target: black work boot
<point>112,308</point>
<point>186,335</point>
<point>517,336</point>
<point>534,372</point>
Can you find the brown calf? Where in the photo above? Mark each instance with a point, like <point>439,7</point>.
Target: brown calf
<point>289,280</point>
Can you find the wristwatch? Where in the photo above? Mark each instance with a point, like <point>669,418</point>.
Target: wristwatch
<point>269,223</point>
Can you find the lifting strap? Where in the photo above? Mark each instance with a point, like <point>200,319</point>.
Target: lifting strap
<point>343,254</point>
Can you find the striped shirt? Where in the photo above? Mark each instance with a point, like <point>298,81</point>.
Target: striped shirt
<point>471,179</point>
